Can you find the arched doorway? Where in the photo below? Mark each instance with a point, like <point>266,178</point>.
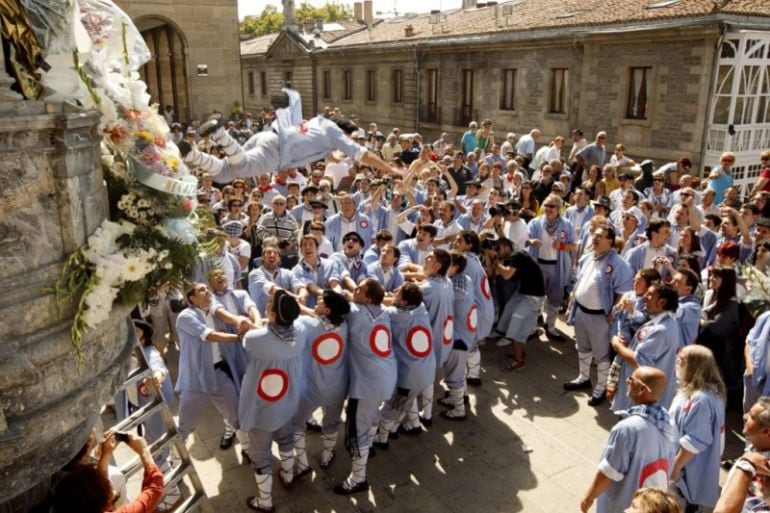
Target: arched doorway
<point>166,73</point>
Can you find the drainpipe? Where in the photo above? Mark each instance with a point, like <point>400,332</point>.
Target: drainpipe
<point>709,102</point>
<point>418,96</point>
<point>314,75</point>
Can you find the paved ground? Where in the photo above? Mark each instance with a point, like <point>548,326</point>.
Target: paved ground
<point>527,446</point>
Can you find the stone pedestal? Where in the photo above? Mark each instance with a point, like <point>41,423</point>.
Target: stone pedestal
<point>52,196</point>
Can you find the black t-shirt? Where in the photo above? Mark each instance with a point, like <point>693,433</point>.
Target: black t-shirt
<point>528,274</point>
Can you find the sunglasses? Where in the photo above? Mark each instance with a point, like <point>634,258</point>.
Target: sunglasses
<point>550,206</point>
<point>658,180</point>
<point>765,158</point>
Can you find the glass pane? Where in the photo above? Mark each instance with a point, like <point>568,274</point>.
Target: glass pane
<point>728,49</point>
<point>765,87</point>
<point>754,48</point>
<point>749,82</point>
<point>725,79</point>
<point>722,110</point>
<point>763,110</point>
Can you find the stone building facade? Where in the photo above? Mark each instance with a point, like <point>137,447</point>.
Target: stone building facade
<point>648,72</point>
<point>195,47</point>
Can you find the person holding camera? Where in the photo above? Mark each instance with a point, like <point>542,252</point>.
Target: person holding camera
<point>85,487</point>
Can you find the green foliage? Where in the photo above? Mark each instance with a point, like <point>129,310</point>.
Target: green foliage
<point>270,20</point>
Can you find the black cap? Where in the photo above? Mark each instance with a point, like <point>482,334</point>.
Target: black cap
<point>309,188</point>
<point>603,201</point>
<point>353,234</point>
<point>318,204</point>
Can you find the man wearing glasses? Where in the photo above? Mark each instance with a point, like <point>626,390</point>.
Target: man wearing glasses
<point>654,344</point>
<point>552,242</point>
<point>640,449</point>
<point>602,278</point>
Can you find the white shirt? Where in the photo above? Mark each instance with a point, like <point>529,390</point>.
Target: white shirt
<point>651,254</point>
<point>587,293</point>
<point>337,170</point>
<point>546,248</point>
<point>516,232</point>
<point>216,353</point>
<point>345,228</point>
<point>452,228</point>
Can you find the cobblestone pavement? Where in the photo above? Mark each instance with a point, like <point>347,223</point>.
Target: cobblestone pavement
<point>527,446</point>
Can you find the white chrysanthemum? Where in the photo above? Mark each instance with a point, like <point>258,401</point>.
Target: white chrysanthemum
<point>134,269</point>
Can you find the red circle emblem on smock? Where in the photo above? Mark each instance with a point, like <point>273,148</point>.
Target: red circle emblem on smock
<point>327,348</point>
<point>379,341</point>
<point>418,341</point>
<point>273,384</point>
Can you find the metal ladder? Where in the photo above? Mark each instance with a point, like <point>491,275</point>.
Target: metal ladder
<point>197,499</point>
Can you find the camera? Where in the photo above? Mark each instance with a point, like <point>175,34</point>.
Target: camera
<point>494,211</point>
<point>283,244</point>
<point>121,436</point>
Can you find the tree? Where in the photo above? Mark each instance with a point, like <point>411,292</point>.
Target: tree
<point>270,20</point>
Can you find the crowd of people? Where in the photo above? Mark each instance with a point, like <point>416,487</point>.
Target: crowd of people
<point>356,267</point>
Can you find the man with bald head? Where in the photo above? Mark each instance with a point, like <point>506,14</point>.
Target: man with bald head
<point>640,449</point>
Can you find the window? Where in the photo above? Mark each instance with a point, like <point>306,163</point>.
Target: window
<point>252,85</point>
<point>263,83</point>
<point>637,93</point>
<point>287,77</point>
<point>347,79</point>
<point>371,85</point>
<point>397,86</point>
<point>557,103</point>
<point>432,90</point>
<point>508,92</point>
<point>327,85</point>
<point>467,92</point>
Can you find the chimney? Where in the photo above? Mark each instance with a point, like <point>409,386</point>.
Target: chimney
<point>368,13</point>
<point>358,11</point>
<point>308,24</point>
<point>469,4</point>
<point>319,24</point>
<point>289,22</point>
<point>408,31</point>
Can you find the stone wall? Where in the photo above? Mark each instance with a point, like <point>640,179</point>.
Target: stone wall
<point>681,62</point>
<point>210,28</point>
<point>52,196</point>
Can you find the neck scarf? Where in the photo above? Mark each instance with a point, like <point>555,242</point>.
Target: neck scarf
<point>656,415</point>
<point>552,226</point>
<point>284,333</point>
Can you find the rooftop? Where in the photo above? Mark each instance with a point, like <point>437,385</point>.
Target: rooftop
<point>529,15</point>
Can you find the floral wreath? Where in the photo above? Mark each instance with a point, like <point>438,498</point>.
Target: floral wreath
<point>151,244</point>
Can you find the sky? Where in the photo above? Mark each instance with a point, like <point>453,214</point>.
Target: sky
<point>250,7</point>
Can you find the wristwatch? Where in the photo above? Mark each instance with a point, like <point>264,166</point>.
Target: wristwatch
<point>747,466</point>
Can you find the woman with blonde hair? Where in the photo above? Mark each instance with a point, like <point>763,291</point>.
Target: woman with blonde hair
<point>653,500</point>
<point>698,411</point>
